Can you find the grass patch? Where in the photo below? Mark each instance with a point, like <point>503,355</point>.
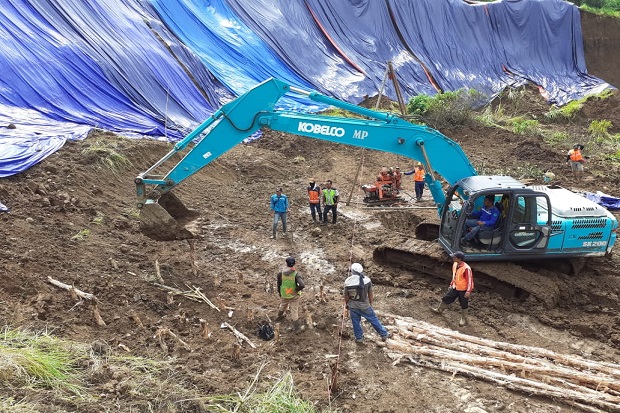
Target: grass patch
<point>40,360</point>
<point>280,398</point>
<point>557,138</point>
<point>522,126</point>
<point>81,236</point>
<point>99,218</point>
<point>446,109</point>
<point>107,153</point>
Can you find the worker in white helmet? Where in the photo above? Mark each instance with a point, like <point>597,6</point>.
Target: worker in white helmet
<point>358,299</point>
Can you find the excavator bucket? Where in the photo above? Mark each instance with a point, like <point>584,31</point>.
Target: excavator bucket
<point>169,219</point>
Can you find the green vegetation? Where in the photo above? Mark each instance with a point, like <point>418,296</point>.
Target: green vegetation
<point>605,7</point>
<point>566,112</point>
<point>99,218</point>
<point>107,153</point>
<point>522,126</point>
<point>599,129</point>
<point>81,236</point>
<point>446,109</point>
<point>280,398</point>
<point>38,360</point>
<point>49,373</point>
<point>557,138</point>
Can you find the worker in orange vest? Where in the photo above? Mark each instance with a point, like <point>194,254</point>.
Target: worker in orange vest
<point>461,287</point>
<point>418,179</point>
<point>576,160</point>
<point>314,197</point>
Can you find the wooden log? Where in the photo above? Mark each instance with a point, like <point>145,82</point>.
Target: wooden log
<point>158,276</point>
<point>540,366</point>
<point>205,332</point>
<point>81,294</point>
<point>576,361</point>
<point>192,256</point>
<point>276,332</point>
<point>236,351</point>
<point>239,334</point>
<point>97,316</point>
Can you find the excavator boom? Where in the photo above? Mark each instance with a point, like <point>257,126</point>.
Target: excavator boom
<point>163,215</point>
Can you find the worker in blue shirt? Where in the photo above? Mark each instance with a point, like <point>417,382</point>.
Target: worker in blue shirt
<point>279,206</point>
<point>483,219</point>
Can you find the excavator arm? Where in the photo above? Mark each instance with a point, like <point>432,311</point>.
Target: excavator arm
<point>255,109</point>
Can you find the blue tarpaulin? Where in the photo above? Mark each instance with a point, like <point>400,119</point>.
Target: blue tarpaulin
<point>231,51</point>
<point>160,67</point>
<point>607,201</point>
<point>291,32</point>
<point>542,42</point>
<point>465,55</point>
<point>363,30</point>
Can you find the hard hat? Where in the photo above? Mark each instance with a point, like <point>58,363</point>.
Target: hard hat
<point>290,261</point>
<point>357,267</point>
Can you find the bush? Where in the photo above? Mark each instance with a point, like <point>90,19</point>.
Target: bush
<point>522,126</point>
<point>599,129</point>
<point>446,109</point>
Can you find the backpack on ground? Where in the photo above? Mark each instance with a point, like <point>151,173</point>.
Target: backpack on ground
<point>265,331</point>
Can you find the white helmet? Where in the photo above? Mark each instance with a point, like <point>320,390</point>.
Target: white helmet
<point>357,267</point>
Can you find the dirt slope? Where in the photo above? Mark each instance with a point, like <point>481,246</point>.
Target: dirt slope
<point>74,219</point>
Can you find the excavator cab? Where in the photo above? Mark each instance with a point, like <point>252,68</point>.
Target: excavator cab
<point>522,229</point>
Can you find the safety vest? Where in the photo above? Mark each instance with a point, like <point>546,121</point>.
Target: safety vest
<point>314,194</point>
<point>462,277</point>
<point>418,175</point>
<point>575,155</point>
<point>330,195</point>
<point>289,286</point>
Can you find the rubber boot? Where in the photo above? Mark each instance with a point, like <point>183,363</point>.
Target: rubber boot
<point>463,321</point>
<point>280,316</point>
<point>439,309</point>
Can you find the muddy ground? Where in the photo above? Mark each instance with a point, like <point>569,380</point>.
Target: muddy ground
<point>74,219</point>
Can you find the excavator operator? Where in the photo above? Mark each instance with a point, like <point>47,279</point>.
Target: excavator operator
<point>484,218</point>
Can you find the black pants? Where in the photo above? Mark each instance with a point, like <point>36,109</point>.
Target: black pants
<point>334,212</point>
<point>453,294</point>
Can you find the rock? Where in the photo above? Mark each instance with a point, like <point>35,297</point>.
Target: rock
<point>30,220</point>
<point>124,248</point>
<point>315,232</point>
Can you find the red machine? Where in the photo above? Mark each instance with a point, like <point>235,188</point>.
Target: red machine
<point>386,190</point>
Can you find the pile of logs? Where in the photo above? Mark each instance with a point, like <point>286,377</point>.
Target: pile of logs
<point>585,384</point>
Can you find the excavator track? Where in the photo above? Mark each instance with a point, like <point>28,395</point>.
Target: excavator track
<point>504,278</point>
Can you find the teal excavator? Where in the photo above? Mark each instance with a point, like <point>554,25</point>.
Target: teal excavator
<point>542,221</point>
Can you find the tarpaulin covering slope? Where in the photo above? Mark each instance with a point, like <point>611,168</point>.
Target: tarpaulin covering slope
<point>231,51</point>
<point>542,42</point>
<point>290,31</point>
<point>67,64</point>
<point>456,42</point>
<point>364,31</point>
